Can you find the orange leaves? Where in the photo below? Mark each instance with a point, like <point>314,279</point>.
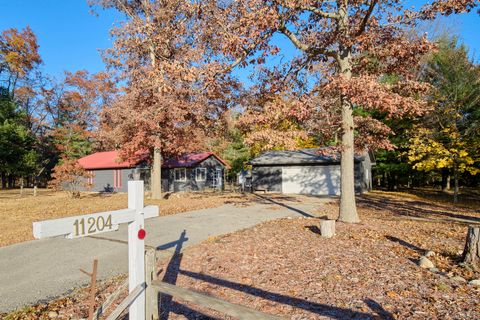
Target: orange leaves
<point>276,123</point>
<point>392,294</point>
<point>173,94</point>
<point>371,94</point>
<point>69,175</point>
<point>447,7</point>
<point>19,50</point>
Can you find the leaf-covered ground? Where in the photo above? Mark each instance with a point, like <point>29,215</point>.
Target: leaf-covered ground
<point>73,306</point>
<point>367,271</point>
<point>17,213</point>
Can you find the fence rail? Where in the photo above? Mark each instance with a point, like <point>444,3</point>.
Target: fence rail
<point>200,299</point>
<point>127,301</point>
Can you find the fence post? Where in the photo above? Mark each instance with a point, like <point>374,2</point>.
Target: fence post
<point>136,250</point>
<point>151,294</point>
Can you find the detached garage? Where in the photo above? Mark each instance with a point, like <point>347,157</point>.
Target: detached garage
<point>306,172</point>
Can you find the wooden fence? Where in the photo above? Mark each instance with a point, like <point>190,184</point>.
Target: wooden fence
<point>153,287</point>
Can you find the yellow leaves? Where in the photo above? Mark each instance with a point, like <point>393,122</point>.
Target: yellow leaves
<point>463,154</point>
<point>473,171</point>
<point>306,143</point>
<point>442,163</point>
<point>432,151</point>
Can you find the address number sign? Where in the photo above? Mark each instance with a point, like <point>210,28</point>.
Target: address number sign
<point>92,225</point>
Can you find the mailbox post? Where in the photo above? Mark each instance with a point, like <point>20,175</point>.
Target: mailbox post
<point>90,224</point>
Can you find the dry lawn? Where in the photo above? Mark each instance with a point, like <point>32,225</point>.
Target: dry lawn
<point>467,198</point>
<point>367,271</point>
<point>17,213</point>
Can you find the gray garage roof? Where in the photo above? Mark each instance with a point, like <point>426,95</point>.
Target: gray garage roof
<point>297,157</point>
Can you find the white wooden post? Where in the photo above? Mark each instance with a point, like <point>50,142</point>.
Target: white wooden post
<point>94,223</point>
<point>136,249</point>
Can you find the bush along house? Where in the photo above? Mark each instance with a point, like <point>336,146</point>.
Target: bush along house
<point>190,172</point>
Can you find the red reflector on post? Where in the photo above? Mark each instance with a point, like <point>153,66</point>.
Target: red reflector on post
<point>141,234</point>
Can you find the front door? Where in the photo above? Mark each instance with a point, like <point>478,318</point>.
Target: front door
<point>217,179</point>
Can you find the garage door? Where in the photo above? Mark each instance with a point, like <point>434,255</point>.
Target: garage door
<point>317,180</point>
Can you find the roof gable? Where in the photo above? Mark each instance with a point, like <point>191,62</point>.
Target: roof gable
<point>191,160</point>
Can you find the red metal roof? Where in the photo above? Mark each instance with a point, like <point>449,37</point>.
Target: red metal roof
<point>190,160</point>
<point>111,160</point>
<point>107,160</point>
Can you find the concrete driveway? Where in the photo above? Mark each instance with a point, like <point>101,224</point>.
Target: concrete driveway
<point>39,270</point>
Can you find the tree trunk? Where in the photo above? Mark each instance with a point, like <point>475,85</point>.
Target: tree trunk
<point>156,174</point>
<point>348,208</point>
<point>445,180</point>
<point>471,253</point>
<point>455,187</point>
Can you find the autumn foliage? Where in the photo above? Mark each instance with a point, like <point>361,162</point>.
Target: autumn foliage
<point>19,51</point>
<point>70,176</point>
<point>356,63</point>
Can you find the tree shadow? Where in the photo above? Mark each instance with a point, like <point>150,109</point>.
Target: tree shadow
<point>314,229</point>
<point>310,306</point>
<point>168,305</point>
<point>468,197</point>
<point>165,302</point>
<point>378,309</point>
<point>303,213</point>
<point>406,244</point>
<point>416,209</point>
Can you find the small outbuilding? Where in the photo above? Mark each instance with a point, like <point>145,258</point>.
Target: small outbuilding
<point>190,172</point>
<point>307,171</point>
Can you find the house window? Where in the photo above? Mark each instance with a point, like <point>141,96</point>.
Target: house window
<point>180,174</point>
<point>201,174</point>
<point>117,178</point>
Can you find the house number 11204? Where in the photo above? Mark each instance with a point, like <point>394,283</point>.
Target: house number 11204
<point>91,225</point>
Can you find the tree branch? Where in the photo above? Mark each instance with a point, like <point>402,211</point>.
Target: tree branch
<point>311,51</point>
<point>293,38</point>
<point>363,25</point>
<point>313,9</point>
<point>324,14</point>
<point>246,52</point>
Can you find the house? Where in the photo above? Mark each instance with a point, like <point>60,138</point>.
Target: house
<point>190,172</point>
<point>194,171</point>
<point>109,174</point>
<point>307,172</point>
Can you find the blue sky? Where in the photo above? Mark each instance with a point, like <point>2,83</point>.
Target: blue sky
<point>70,37</point>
